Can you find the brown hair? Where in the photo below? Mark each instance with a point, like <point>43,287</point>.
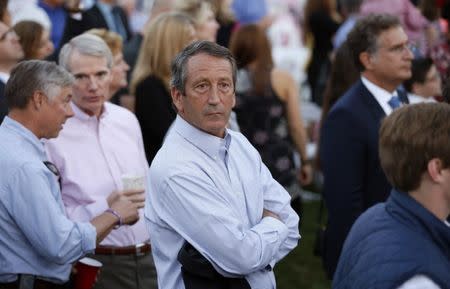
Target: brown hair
<point>430,9</point>
<point>3,9</point>
<point>313,6</point>
<point>342,76</point>
<point>30,33</point>
<point>249,44</point>
<point>409,138</point>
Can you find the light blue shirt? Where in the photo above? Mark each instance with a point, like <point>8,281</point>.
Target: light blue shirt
<point>344,30</point>
<point>211,192</point>
<point>36,237</point>
<point>113,21</point>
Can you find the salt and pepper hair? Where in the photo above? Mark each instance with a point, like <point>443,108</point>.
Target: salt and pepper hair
<point>179,63</point>
<point>86,44</point>
<point>30,76</point>
<point>364,36</point>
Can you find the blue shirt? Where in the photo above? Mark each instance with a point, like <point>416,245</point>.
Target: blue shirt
<point>211,192</point>
<point>58,17</point>
<point>36,237</point>
<point>249,11</point>
<point>344,30</point>
<point>112,19</point>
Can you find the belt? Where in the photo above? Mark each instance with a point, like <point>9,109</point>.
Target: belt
<point>137,250</point>
<point>38,284</point>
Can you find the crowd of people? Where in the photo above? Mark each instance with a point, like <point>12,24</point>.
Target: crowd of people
<point>176,151</point>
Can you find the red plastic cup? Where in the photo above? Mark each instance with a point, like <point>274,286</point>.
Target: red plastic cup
<point>87,270</point>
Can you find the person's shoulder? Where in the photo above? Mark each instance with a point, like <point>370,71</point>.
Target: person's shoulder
<point>350,102</point>
<point>118,111</point>
<point>241,143</point>
<point>175,158</point>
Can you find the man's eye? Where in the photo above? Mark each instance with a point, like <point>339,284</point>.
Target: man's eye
<point>202,86</point>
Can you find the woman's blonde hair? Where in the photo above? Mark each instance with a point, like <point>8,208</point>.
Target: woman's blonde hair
<point>111,38</point>
<point>165,37</point>
<point>197,9</point>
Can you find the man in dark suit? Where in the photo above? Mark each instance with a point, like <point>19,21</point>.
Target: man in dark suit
<point>104,14</point>
<point>353,178</point>
<point>10,54</point>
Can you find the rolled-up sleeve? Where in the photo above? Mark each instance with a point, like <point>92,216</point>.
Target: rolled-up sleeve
<point>39,214</point>
<point>278,201</point>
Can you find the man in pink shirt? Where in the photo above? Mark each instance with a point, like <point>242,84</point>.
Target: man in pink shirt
<point>95,149</point>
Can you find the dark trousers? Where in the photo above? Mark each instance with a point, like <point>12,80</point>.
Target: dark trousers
<point>126,271</point>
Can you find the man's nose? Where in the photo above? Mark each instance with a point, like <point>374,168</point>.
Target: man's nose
<point>93,83</point>
<point>214,97</point>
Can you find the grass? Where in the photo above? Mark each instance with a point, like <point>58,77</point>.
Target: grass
<point>300,269</point>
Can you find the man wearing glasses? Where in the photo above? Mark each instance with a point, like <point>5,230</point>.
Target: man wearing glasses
<point>38,243</point>
<point>97,149</point>
<point>353,178</point>
<point>10,54</point>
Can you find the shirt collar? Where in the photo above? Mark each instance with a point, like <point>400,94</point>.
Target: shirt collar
<point>415,98</point>
<point>81,115</point>
<point>4,77</point>
<point>381,95</point>
<point>24,132</point>
<point>211,145</point>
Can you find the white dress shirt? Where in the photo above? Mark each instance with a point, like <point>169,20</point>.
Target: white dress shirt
<point>381,95</point>
<point>414,98</point>
<point>211,192</point>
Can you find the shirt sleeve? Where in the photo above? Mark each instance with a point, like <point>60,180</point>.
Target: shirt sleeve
<point>74,210</point>
<point>278,201</point>
<point>40,216</point>
<point>202,215</point>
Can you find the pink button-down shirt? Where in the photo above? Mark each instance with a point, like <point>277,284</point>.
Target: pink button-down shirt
<point>92,154</point>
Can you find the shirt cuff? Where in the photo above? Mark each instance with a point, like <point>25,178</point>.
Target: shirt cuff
<point>276,224</point>
<point>88,237</point>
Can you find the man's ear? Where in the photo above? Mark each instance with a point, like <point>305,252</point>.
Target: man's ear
<point>366,60</point>
<point>176,98</point>
<point>434,169</point>
<point>38,99</point>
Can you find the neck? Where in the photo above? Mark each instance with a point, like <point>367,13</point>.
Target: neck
<point>387,85</point>
<point>433,199</point>
<point>7,67</point>
<point>25,118</point>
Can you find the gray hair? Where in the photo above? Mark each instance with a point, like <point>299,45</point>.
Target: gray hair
<point>179,63</point>
<point>364,35</point>
<point>86,44</point>
<point>30,76</point>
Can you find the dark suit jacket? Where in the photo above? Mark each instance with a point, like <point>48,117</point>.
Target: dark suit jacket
<point>91,18</point>
<point>3,107</point>
<point>353,177</point>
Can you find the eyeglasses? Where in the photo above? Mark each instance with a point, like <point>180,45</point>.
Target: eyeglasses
<point>399,49</point>
<point>7,33</point>
<point>51,166</point>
